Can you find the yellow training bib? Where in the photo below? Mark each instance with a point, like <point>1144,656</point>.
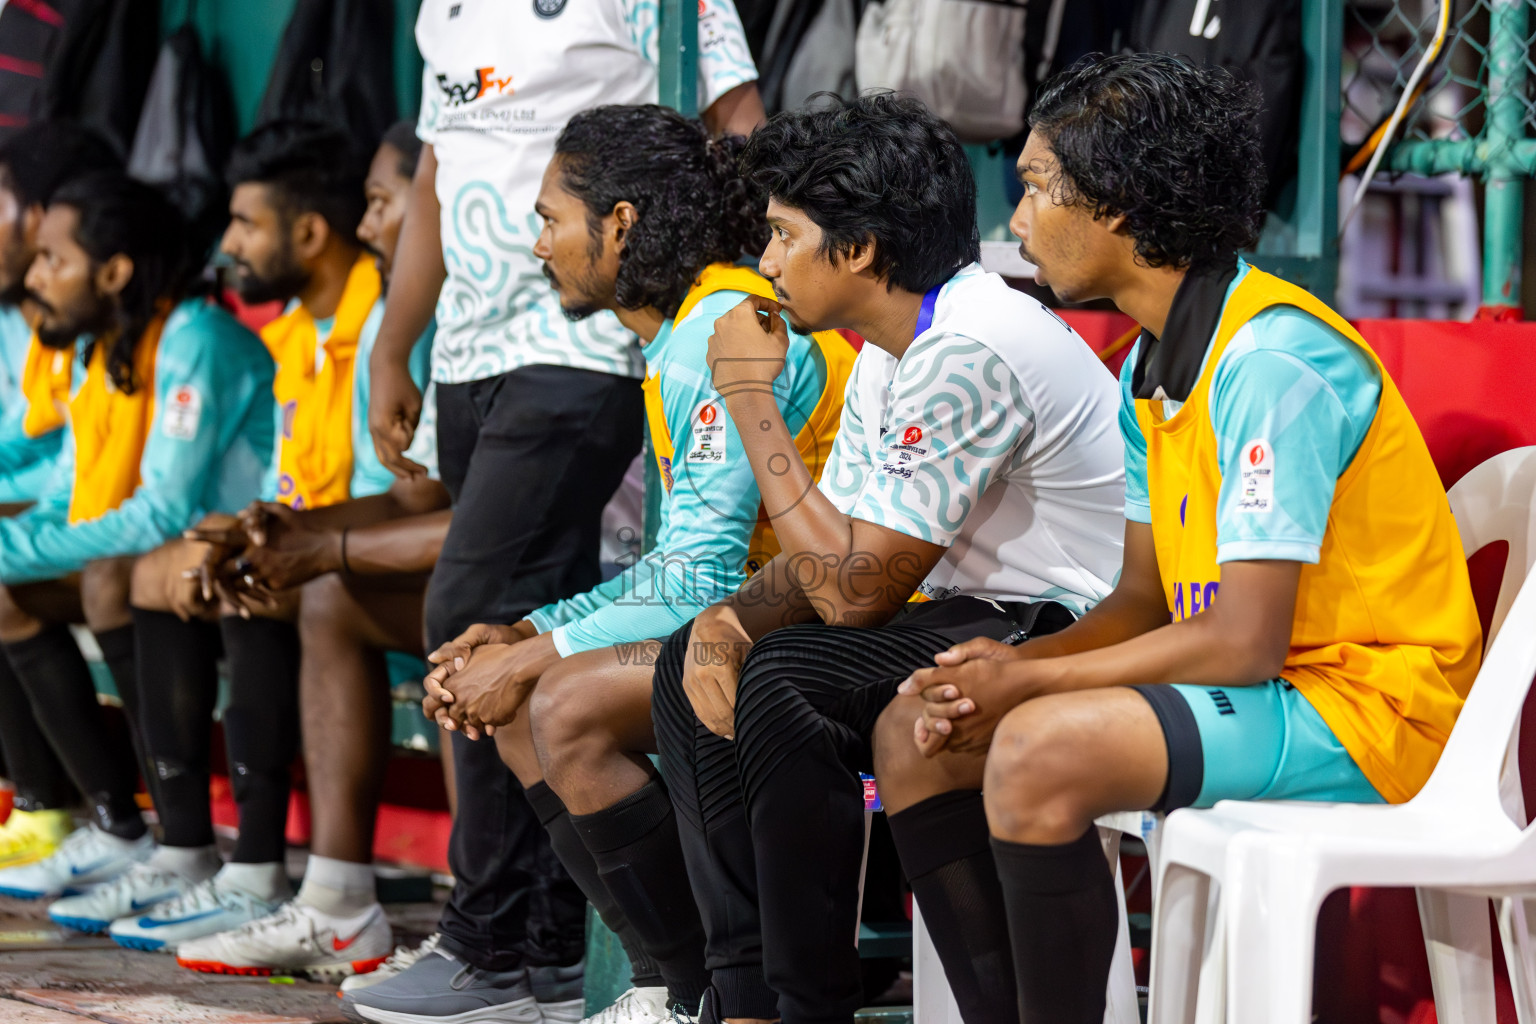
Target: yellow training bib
<point>1385,642</point>
<point>315,442</point>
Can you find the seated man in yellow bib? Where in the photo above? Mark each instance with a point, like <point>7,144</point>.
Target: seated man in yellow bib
<point>1293,620</point>
<point>650,232</point>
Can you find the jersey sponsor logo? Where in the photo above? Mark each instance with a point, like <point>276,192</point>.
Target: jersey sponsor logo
<point>183,413</point>
<point>709,438</point>
<point>666,472</point>
<point>1256,489</point>
<point>899,456</point>
<point>485,82</point>
<point>549,8</point>
<point>290,410</point>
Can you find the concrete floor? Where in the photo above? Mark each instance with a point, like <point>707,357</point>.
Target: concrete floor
<point>48,978</point>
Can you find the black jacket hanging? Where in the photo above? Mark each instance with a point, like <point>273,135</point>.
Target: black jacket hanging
<point>1257,40</point>
<point>86,60</point>
<point>185,133</point>
<point>336,63</point>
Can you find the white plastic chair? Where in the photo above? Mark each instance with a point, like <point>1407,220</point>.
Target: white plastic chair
<point>1456,842</point>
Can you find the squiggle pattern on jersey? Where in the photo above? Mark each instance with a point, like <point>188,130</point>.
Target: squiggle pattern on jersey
<point>974,420</point>
<point>725,61</point>
<point>497,312</point>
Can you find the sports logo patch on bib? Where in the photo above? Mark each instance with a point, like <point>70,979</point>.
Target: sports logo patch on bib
<point>708,424</point>
<point>183,413</point>
<point>1257,485</point>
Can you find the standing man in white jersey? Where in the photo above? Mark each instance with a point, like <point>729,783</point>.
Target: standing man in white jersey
<point>977,464</point>
<point>538,415</point>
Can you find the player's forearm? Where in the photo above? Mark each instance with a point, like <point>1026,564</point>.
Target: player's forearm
<point>418,272</point>
<point>407,545</point>
<point>1202,650</point>
<point>737,112</point>
<point>770,600</point>
<point>806,523</point>
<point>1123,615</point>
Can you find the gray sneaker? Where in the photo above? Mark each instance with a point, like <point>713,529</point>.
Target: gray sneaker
<point>442,989</point>
<point>560,992</point>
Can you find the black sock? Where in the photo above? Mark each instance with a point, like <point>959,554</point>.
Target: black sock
<point>178,675</point>
<point>573,853</point>
<point>261,729</point>
<point>1062,918</point>
<point>118,654</point>
<point>947,855</point>
<point>640,862</point>
<point>55,676</point>
<point>30,763</point>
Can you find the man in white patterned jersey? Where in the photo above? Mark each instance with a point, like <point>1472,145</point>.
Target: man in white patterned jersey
<point>538,416</point>
<point>977,463</point>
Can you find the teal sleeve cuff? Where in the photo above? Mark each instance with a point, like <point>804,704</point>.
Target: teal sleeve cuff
<point>1268,551</point>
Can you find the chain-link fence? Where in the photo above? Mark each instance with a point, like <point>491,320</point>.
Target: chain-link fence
<point>1384,41</point>
<point>1472,108</point>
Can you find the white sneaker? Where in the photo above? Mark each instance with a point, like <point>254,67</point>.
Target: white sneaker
<point>87,856</point>
<point>401,959</point>
<point>138,888</point>
<point>635,1006</point>
<point>206,908</point>
<point>296,939</point>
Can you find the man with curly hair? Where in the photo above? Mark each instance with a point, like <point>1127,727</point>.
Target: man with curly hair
<point>651,230</point>
<point>976,463</point>
<point>1293,620</point>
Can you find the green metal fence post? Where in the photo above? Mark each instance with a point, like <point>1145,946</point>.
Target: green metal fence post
<point>1300,240</point>
<point>679,55</point>
<point>1504,206</point>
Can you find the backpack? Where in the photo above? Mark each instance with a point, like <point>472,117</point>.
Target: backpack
<point>963,58</point>
<point>185,134</point>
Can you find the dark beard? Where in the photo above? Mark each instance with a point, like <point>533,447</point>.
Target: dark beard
<point>57,338</point>
<point>98,322</point>
<point>575,314</point>
<point>282,285</point>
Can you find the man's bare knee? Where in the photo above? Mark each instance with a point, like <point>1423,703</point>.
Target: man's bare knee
<point>1031,782</point>
<point>897,758</point>
<point>328,607</point>
<point>104,591</point>
<point>16,623</point>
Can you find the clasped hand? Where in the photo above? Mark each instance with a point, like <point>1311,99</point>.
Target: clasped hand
<point>972,686</point>
<point>483,676</point>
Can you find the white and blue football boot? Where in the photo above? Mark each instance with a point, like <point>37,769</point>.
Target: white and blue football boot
<point>87,856</point>
<point>200,910</point>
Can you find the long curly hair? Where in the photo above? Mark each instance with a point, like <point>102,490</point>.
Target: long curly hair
<point>881,168</point>
<point>1172,145</point>
<point>121,215</point>
<point>693,206</point>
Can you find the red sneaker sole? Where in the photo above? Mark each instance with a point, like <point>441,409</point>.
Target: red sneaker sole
<point>214,967</point>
